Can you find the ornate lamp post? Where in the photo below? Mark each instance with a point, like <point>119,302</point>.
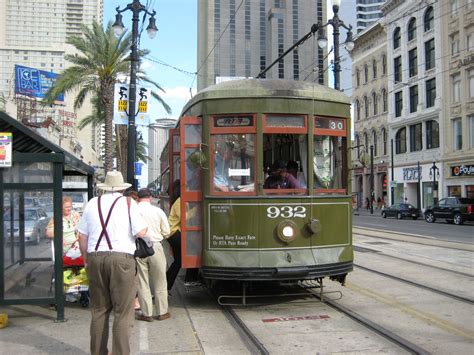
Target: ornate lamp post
<point>135,7</point>
<point>434,173</point>
<point>336,23</point>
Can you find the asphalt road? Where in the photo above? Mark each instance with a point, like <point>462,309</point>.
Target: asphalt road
<point>438,230</point>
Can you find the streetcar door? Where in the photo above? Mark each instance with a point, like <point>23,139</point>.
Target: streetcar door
<point>191,192</point>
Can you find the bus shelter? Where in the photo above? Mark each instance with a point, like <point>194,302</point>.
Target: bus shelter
<point>32,175</point>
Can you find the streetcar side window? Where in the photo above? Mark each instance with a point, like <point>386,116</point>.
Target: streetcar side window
<point>233,164</point>
<point>329,155</point>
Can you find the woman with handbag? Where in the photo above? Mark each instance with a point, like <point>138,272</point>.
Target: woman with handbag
<point>70,242</point>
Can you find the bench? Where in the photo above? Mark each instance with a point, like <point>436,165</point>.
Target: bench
<point>18,273</point>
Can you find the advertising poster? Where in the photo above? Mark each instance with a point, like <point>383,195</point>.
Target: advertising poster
<point>121,105</point>
<point>35,83</point>
<point>5,149</point>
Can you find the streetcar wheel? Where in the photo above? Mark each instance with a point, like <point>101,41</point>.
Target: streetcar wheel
<point>429,217</point>
<point>399,215</point>
<point>458,219</point>
<point>384,215</point>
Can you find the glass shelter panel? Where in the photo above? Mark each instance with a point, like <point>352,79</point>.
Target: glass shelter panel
<point>29,173</point>
<point>28,257</point>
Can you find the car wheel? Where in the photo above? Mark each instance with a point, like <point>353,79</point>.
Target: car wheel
<point>399,215</point>
<point>429,217</point>
<point>458,219</point>
<point>384,215</point>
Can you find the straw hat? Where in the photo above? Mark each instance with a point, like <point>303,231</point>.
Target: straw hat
<point>113,182</point>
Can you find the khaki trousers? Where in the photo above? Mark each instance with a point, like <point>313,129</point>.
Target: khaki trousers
<point>112,286</point>
<point>152,281</point>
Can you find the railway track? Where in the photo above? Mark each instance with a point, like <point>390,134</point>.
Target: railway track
<point>416,284</point>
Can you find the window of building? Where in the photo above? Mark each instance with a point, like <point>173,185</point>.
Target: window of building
<point>429,54</point>
<point>456,88</point>
<point>396,38</point>
<point>357,139</point>
<point>412,62</point>
<point>454,38</point>
<point>432,134</point>
<point>374,100</point>
<point>397,69</point>
<point>357,109</point>
<point>430,92</point>
<point>384,64</point>
<point>470,78</point>
<point>470,39</point>
<point>366,74</point>
<point>374,69</point>
<point>374,142</point>
<point>357,78</point>
<point>411,33</point>
<point>384,100</point>
<point>366,106</point>
<point>454,7</point>
<point>366,142</point>
<point>416,138</point>
<point>401,141</point>
<point>413,98</point>
<point>429,19</point>
<point>398,103</point>
<point>457,134</point>
<point>471,131</point>
<point>384,141</point>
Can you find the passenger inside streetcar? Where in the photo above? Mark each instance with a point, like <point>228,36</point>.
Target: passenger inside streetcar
<point>280,178</point>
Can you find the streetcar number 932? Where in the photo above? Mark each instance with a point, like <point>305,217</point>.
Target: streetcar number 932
<point>286,212</point>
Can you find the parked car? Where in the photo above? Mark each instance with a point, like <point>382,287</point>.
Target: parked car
<point>36,221</point>
<point>453,209</point>
<point>401,210</point>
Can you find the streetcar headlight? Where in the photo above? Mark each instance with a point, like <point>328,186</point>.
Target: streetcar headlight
<point>286,231</point>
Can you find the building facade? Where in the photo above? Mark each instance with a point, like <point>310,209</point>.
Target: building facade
<point>33,34</point>
<point>370,82</point>
<point>415,98</point>
<point>240,39</point>
<point>458,79</point>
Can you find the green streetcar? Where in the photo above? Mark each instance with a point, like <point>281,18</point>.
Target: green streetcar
<point>243,216</point>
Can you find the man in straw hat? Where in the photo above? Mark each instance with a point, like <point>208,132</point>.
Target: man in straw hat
<point>107,232</point>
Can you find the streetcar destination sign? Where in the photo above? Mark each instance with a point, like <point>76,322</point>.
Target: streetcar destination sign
<point>334,124</point>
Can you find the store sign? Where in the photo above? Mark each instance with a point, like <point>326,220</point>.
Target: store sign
<point>411,174</point>
<point>462,170</point>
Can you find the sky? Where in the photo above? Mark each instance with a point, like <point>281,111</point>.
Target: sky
<point>175,44</point>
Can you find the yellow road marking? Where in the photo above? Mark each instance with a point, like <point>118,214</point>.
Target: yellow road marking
<point>425,317</point>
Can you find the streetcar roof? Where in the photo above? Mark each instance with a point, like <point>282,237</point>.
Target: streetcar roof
<point>275,88</point>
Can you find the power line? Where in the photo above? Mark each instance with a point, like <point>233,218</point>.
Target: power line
<point>158,61</point>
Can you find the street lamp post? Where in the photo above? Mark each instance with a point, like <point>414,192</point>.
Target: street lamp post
<point>136,7</point>
<point>434,173</point>
<point>336,23</point>
<point>392,188</point>
<point>372,192</point>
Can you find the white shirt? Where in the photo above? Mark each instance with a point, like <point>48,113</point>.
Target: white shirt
<point>118,228</point>
<point>156,220</point>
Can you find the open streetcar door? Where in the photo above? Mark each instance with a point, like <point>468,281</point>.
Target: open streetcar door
<point>191,158</point>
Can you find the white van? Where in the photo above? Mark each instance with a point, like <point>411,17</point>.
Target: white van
<point>79,198</point>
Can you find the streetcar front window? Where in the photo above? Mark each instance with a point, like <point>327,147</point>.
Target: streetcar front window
<point>327,162</point>
<point>233,162</point>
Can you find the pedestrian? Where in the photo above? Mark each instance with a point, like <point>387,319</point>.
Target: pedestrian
<point>152,270</point>
<point>379,203</point>
<point>106,236</point>
<point>367,203</point>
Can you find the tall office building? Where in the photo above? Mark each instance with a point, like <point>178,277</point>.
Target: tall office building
<point>33,34</point>
<point>367,13</point>
<point>238,39</point>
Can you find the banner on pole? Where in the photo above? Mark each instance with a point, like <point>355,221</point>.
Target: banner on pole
<point>5,149</point>
<point>121,105</point>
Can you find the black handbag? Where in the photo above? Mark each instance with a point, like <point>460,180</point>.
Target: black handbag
<point>143,249</point>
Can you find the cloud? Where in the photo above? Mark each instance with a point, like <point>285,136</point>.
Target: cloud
<point>177,93</point>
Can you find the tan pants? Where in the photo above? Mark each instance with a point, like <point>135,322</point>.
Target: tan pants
<point>112,286</point>
<point>152,281</point>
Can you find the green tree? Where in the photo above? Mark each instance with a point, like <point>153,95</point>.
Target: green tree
<point>100,59</point>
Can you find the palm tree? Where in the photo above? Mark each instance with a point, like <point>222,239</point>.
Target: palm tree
<point>101,59</point>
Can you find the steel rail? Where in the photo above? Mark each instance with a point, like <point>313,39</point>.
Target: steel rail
<point>413,283</point>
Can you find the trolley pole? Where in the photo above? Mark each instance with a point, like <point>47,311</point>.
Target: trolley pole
<point>391,180</point>
<point>418,190</point>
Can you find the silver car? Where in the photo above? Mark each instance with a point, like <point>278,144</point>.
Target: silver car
<point>36,221</point>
